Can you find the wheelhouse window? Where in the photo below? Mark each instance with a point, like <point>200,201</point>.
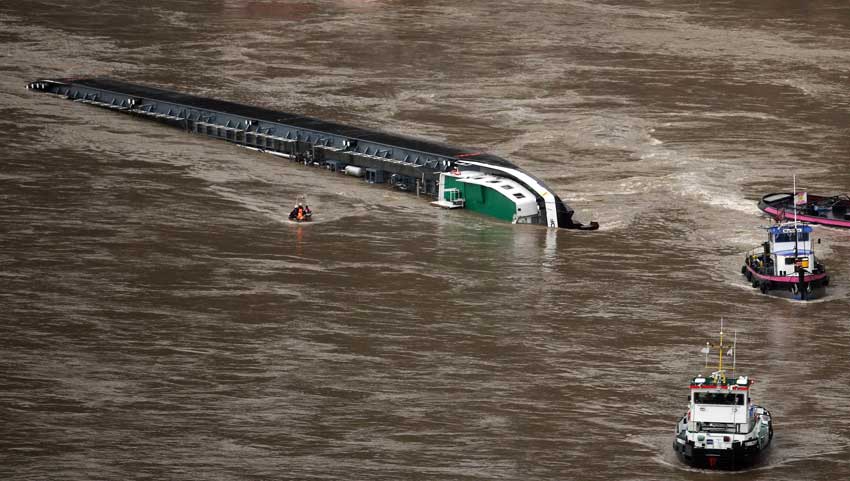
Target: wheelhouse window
<point>720,398</point>
<point>789,237</point>
<point>519,195</point>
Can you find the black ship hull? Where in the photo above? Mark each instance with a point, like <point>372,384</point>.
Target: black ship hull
<point>407,163</point>
<point>805,287</point>
<point>739,457</point>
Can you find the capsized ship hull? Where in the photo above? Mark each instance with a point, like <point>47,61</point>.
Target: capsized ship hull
<point>407,163</point>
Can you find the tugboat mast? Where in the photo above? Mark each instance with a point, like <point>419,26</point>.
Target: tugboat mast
<point>798,268</point>
<point>734,351</point>
<point>796,235</point>
<point>720,373</point>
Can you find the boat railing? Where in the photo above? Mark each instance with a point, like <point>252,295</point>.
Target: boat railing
<point>766,265</point>
<point>759,262</point>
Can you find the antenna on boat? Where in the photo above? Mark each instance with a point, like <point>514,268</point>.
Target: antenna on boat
<point>719,375</point>
<point>797,266</point>
<point>734,351</point>
<point>720,351</point>
<point>796,233</point>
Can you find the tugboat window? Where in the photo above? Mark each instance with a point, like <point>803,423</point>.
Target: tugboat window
<point>789,237</point>
<point>727,399</point>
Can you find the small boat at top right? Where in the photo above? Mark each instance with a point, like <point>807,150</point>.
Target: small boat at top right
<point>831,211</point>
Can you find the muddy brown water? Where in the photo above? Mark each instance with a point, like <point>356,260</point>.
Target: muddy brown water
<point>161,319</point>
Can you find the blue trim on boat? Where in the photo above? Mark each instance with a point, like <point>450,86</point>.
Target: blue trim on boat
<point>800,252</point>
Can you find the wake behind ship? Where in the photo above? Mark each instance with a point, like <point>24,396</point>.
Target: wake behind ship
<point>453,177</point>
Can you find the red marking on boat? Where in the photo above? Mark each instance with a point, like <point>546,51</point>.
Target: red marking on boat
<point>733,387</point>
<point>471,154</point>
<point>787,279</point>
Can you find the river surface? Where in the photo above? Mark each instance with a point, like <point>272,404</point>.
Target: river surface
<point>161,319</point>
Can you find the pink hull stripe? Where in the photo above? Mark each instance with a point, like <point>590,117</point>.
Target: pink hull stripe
<point>806,218</point>
<point>787,279</point>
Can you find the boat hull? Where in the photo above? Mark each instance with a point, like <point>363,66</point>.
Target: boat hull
<point>781,207</point>
<point>739,457</point>
<point>378,157</point>
<point>811,287</point>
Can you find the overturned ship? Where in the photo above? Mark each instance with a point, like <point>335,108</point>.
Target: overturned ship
<point>453,177</point>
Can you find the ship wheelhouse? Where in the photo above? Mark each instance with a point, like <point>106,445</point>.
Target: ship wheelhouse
<point>790,249</point>
<point>720,407</point>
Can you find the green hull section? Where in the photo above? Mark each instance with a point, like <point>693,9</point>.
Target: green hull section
<point>483,199</point>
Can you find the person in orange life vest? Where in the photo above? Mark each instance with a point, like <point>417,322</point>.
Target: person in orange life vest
<point>300,212</point>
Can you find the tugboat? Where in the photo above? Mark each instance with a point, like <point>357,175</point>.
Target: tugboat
<point>301,212</point>
<point>831,211</point>
<point>785,265</point>
<point>722,428</point>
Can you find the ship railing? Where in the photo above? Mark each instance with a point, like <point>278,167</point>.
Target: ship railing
<point>148,109</point>
<point>329,148</point>
<point>757,260</point>
<point>755,252</point>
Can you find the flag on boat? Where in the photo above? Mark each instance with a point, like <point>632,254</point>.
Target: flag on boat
<point>800,198</point>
